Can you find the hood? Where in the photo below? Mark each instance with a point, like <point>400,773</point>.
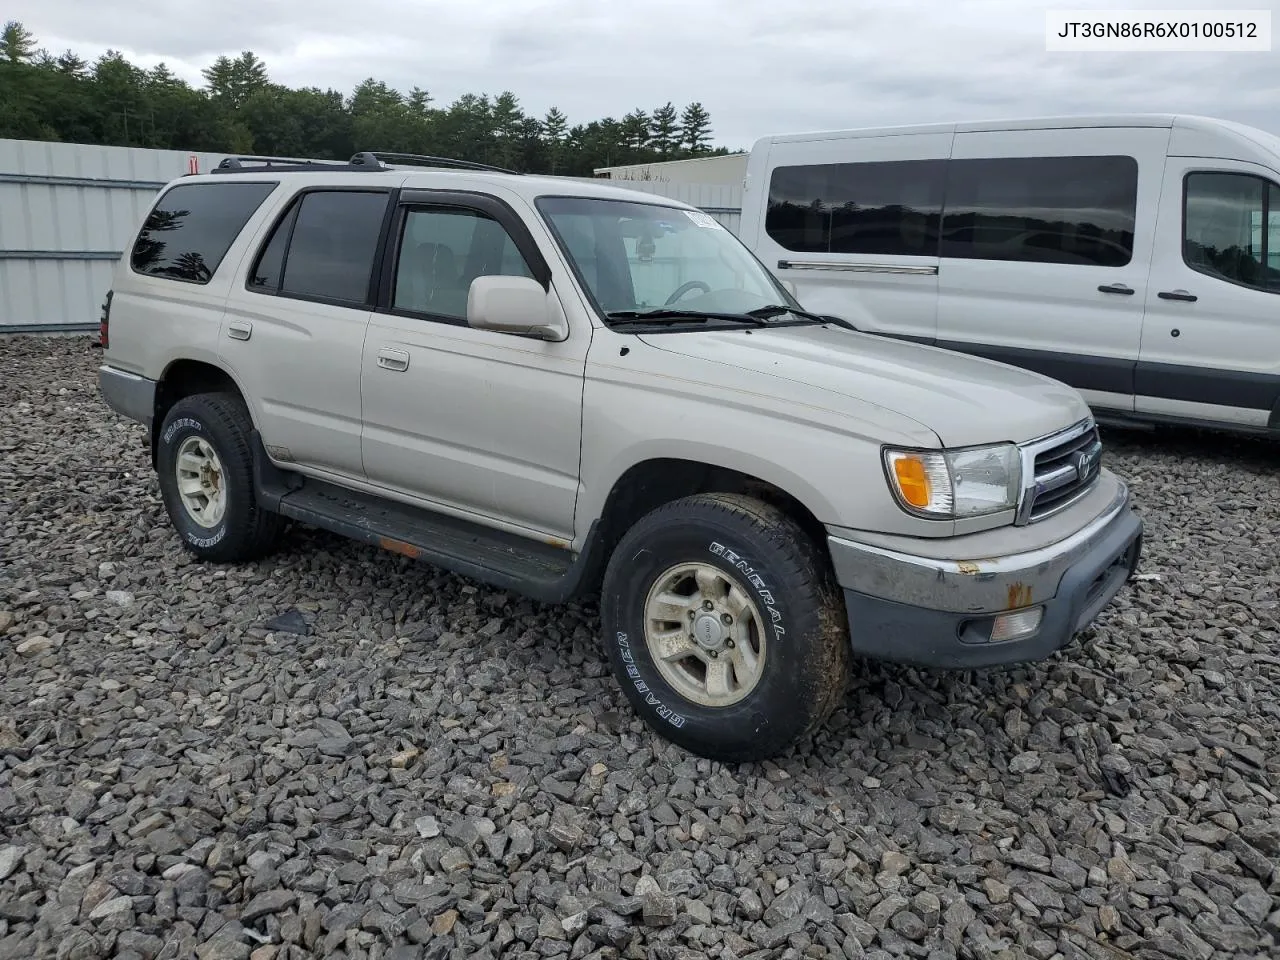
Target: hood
<point>965,400</point>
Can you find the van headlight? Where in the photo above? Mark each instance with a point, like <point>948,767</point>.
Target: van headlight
<point>953,484</point>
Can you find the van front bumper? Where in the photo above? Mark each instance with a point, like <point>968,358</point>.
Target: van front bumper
<point>939,611</point>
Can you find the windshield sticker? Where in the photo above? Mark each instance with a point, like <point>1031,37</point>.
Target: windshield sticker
<point>703,219</point>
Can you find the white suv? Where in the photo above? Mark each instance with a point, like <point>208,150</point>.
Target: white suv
<point>573,390</point>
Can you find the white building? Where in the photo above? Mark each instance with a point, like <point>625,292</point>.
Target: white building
<point>720,171</point>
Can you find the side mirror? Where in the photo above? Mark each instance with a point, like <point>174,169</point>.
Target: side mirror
<point>515,305</point>
<point>788,286</point>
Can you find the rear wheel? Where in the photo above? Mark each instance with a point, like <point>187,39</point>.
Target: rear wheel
<point>724,627</point>
<point>205,464</point>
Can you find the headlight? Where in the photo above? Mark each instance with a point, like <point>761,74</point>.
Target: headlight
<point>953,484</point>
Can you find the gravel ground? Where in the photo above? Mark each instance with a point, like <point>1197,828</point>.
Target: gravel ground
<point>340,753</point>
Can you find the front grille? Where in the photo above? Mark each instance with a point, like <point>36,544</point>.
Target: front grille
<point>1062,471</point>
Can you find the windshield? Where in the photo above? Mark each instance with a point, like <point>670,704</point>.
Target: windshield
<point>637,256</point>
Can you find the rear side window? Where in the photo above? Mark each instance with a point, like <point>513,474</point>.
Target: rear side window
<point>1070,210</point>
<point>192,226</point>
<point>891,208</point>
<point>324,247</point>
<point>270,269</point>
<point>1231,228</point>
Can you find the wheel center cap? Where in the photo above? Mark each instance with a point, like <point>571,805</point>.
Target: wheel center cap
<point>708,632</point>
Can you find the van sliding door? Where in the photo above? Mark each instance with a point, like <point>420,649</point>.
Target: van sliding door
<point>1046,243</point>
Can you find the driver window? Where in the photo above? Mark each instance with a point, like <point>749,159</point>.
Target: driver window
<point>442,250</point>
<point>1231,229</point>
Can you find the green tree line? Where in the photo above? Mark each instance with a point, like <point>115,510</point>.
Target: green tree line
<point>240,110</point>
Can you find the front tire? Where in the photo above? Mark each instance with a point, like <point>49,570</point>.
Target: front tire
<point>724,627</point>
<point>205,464</point>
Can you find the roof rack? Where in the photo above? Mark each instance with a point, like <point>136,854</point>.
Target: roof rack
<point>366,161</point>
<point>377,157</point>
<point>251,164</point>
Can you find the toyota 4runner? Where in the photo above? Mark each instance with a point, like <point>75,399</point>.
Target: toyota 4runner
<point>567,390</point>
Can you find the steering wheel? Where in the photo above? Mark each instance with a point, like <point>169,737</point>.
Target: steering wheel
<point>685,288</point>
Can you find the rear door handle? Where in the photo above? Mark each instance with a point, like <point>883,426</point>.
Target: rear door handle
<point>1116,288</point>
<point>1177,295</point>
<point>239,329</point>
<point>396,360</point>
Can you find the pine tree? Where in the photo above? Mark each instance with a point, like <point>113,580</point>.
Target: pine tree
<point>419,102</point>
<point>637,130</point>
<point>507,120</point>
<point>234,81</point>
<point>217,77</point>
<point>555,131</point>
<point>17,44</point>
<point>697,128</point>
<point>666,129</point>
<point>72,65</point>
<point>250,73</point>
<point>161,76</point>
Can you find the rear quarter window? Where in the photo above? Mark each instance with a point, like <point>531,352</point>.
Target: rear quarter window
<point>191,228</point>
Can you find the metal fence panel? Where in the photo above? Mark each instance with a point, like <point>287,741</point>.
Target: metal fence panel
<point>67,210</point>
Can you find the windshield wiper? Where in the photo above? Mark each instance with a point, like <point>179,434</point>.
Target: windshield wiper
<point>665,316</point>
<point>777,310</point>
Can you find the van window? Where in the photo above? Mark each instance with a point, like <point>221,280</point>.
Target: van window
<point>1231,228</point>
<point>332,238</point>
<point>888,209</point>
<point>192,226</point>
<point>442,251</point>
<point>1071,210</point>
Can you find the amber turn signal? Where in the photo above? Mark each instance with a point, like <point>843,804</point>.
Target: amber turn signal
<point>913,480</point>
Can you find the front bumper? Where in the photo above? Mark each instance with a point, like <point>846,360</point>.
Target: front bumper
<point>127,393</point>
<point>938,611</point>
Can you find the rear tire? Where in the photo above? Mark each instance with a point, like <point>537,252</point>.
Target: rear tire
<point>724,627</point>
<point>205,464</point>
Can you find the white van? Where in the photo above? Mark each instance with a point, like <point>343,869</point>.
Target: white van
<point>1136,258</point>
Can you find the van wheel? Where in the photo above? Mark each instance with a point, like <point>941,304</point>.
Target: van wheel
<point>205,466</point>
<point>724,627</point>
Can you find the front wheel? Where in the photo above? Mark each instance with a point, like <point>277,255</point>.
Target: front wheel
<point>724,627</point>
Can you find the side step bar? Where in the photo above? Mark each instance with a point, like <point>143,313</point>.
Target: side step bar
<point>540,571</point>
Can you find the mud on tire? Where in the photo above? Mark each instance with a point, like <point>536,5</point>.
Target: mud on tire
<point>725,542</point>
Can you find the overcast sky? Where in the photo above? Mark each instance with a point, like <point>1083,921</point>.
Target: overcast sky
<point>759,66</point>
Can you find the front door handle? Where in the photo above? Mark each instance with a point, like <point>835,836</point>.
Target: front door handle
<point>396,360</point>
<point>1116,288</point>
<point>1177,295</point>
<point>239,329</point>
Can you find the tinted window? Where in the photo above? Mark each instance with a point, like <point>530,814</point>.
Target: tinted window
<point>1077,210</point>
<point>335,240</point>
<point>442,251</point>
<point>890,208</point>
<point>1231,228</point>
<point>192,226</point>
<point>270,266</point>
